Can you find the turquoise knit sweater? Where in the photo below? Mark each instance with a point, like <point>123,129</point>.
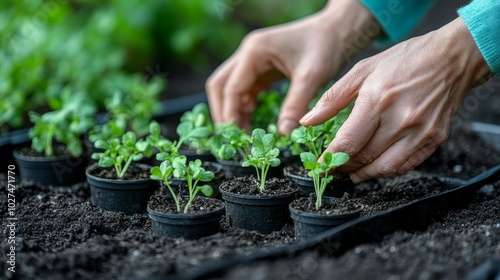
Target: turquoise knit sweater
<point>482,17</point>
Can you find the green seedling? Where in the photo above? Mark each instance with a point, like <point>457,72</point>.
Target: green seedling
<point>263,155</point>
<point>320,171</point>
<point>120,153</point>
<point>230,141</point>
<point>199,117</point>
<point>64,126</point>
<point>193,173</point>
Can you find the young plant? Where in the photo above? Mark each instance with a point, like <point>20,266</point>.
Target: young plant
<point>230,141</point>
<point>263,155</point>
<point>320,171</point>
<point>315,139</point>
<point>193,173</point>
<point>199,117</point>
<point>120,153</point>
<point>64,126</point>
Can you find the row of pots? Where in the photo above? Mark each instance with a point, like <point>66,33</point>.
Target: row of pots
<point>263,213</point>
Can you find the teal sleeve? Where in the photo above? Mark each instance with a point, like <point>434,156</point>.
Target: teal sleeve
<point>397,17</point>
<point>482,18</point>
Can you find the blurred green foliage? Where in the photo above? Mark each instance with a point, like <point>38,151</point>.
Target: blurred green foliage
<point>51,47</point>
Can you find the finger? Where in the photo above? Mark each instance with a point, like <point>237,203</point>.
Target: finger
<point>302,90</point>
<point>380,141</point>
<point>337,97</point>
<point>238,89</point>
<point>214,88</point>
<point>400,158</point>
<point>356,131</point>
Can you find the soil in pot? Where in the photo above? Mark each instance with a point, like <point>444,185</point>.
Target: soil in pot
<point>60,169</point>
<point>297,174</point>
<point>202,218</point>
<point>128,195</point>
<point>250,209</point>
<point>334,211</point>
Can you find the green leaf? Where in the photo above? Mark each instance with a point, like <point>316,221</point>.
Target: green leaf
<point>206,190</point>
<point>154,128</point>
<point>142,146</point>
<point>308,157</point>
<point>206,176</point>
<point>106,162</point>
<point>156,173</point>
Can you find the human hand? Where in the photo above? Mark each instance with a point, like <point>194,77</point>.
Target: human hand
<point>406,96</point>
<point>309,52</point>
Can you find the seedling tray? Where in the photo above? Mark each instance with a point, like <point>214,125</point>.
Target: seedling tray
<point>414,216</point>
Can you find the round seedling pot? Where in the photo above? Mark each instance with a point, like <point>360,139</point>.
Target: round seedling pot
<point>127,196</point>
<point>234,169</point>
<point>214,167</point>
<point>336,188</point>
<point>307,224</point>
<point>63,170</point>
<point>187,225</point>
<point>262,213</point>
<point>192,155</point>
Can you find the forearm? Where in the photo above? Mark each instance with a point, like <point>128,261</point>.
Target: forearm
<point>353,24</point>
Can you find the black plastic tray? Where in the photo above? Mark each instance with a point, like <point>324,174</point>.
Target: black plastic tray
<point>414,216</point>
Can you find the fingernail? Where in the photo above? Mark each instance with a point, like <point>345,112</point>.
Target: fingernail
<point>287,126</point>
<point>308,115</point>
<point>355,178</point>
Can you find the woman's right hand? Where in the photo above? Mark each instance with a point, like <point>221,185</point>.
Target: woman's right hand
<point>309,52</point>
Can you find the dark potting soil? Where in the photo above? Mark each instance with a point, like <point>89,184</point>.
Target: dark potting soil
<point>59,234</point>
<point>332,206</point>
<point>249,185</point>
<point>165,204</point>
<point>58,150</point>
<point>134,172</point>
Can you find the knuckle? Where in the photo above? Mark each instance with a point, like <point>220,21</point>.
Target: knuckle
<point>364,158</point>
<point>254,39</point>
<point>346,145</point>
<point>388,169</point>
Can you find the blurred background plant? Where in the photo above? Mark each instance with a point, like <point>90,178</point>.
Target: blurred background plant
<point>48,47</point>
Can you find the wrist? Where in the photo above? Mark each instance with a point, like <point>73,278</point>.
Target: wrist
<point>354,23</point>
<point>463,53</point>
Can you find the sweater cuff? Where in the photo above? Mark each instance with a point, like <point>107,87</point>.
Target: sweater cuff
<point>397,17</point>
<point>481,18</point>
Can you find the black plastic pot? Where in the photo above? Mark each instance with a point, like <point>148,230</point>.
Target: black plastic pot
<point>264,214</point>
<point>234,169</point>
<point>215,167</point>
<point>189,226</point>
<point>127,196</point>
<point>307,224</point>
<point>54,170</point>
<point>336,188</point>
<point>192,155</point>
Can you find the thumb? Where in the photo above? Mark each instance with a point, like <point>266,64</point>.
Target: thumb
<point>296,104</point>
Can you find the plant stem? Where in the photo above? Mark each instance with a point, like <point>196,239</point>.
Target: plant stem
<point>192,193</point>
<point>125,167</point>
<point>48,145</point>
<point>174,196</point>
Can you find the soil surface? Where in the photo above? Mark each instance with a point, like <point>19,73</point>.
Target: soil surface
<point>134,172</point>
<point>59,234</point>
<point>165,204</point>
<point>329,206</point>
<point>249,185</point>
